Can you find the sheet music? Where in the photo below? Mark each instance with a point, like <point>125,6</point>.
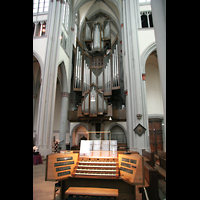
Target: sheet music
<point>85,147</point>
<point>113,145</point>
<point>105,145</point>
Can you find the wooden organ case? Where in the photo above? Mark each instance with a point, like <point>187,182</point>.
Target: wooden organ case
<point>96,68</point>
<point>102,169</point>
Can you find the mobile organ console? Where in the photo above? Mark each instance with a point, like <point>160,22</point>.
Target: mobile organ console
<point>102,169</point>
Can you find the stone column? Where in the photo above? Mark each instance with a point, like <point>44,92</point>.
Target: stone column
<point>34,101</point>
<point>36,23</point>
<point>63,120</point>
<point>45,118</point>
<point>41,24</point>
<point>134,94</point>
<point>159,22</point>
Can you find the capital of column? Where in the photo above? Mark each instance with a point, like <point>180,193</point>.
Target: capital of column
<point>65,94</point>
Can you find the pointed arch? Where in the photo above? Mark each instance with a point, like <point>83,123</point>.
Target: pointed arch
<point>72,131</point>
<point>63,78</point>
<point>122,127</point>
<point>37,56</point>
<point>145,55</point>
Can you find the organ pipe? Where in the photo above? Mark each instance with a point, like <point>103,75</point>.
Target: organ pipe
<point>93,104</point>
<point>87,32</point>
<point>78,68</point>
<point>115,66</point>
<point>107,75</point>
<point>86,102</point>
<point>96,38</point>
<point>107,30</point>
<point>100,103</point>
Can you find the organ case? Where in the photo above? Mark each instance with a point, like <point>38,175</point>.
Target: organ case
<point>96,74</point>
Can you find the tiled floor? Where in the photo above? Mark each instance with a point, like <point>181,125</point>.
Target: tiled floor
<point>42,190</point>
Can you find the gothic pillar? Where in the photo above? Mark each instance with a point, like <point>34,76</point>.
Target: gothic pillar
<point>41,24</point>
<point>34,101</point>
<point>135,102</point>
<point>36,23</point>
<point>159,22</point>
<point>45,118</point>
<point>63,120</point>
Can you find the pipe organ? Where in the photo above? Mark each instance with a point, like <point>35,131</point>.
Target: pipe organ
<point>96,69</point>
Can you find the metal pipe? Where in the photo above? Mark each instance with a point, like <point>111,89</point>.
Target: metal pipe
<point>146,193</point>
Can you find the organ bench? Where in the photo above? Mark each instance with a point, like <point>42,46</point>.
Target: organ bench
<point>83,192</point>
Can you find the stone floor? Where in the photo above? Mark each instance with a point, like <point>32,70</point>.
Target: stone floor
<point>42,190</point>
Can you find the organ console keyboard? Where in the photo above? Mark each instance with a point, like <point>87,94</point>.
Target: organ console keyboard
<point>109,169</point>
<point>95,167</point>
<point>128,167</point>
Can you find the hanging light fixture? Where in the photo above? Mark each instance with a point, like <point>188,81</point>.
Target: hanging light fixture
<point>110,118</point>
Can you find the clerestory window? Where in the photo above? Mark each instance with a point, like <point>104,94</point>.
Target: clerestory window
<point>40,6</point>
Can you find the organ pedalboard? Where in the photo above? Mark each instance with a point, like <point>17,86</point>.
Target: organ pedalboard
<point>128,167</point>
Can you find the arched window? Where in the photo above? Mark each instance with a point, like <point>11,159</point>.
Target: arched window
<point>150,20</point>
<point>66,12</point>
<point>144,21</point>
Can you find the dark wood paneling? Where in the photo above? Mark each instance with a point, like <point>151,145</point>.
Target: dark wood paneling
<point>156,134</point>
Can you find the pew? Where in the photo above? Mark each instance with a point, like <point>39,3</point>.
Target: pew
<point>151,183</point>
<point>161,153</point>
<point>150,157</point>
<point>162,158</point>
<point>162,164</point>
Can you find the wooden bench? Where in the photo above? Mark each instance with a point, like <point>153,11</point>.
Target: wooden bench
<point>161,153</point>
<point>151,183</point>
<point>161,171</point>
<point>161,167</point>
<point>79,192</point>
<point>149,156</point>
<point>162,158</point>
